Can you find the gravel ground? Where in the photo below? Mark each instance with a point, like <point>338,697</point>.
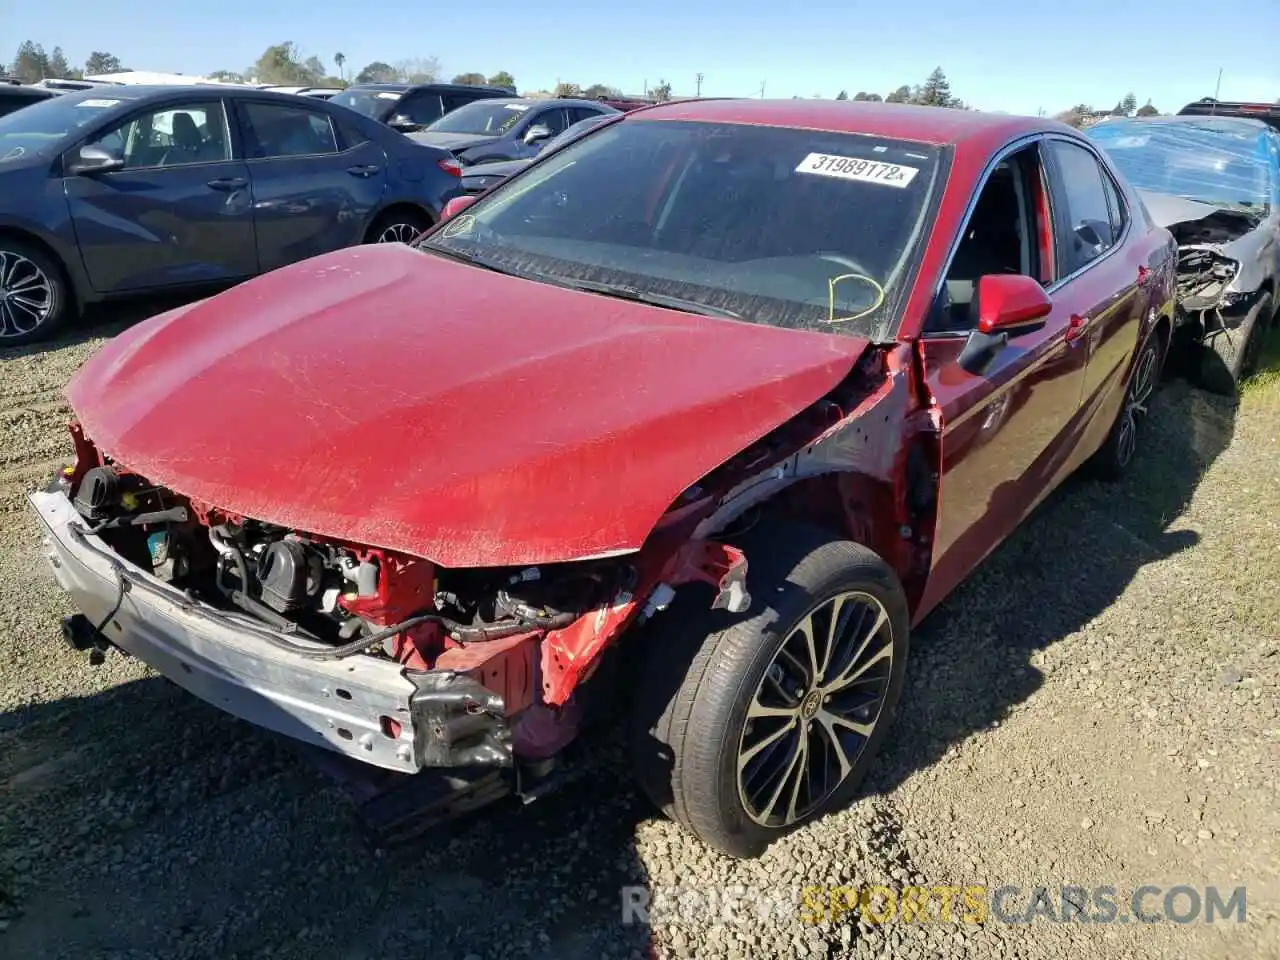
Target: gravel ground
<point>1097,707</point>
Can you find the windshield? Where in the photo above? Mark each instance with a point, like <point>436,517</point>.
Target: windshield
<point>791,228</point>
<point>374,104</point>
<point>47,123</point>
<point>1213,163</point>
<point>491,117</point>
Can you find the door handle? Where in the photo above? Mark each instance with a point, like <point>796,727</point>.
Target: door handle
<point>363,169</point>
<point>228,183</point>
<point>1076,327</point>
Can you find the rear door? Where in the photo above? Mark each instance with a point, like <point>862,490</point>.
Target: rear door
<point>1102,275</point>
<point>179,211</point>
<point>314,188</point>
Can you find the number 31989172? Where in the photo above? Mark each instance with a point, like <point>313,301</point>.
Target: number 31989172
<point>856,168</point>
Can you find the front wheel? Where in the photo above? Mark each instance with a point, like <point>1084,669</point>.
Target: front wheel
<point>746,727</point>
<point>1229,356</point>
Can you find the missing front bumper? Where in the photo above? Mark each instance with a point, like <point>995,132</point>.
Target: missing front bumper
<point>364,708</point>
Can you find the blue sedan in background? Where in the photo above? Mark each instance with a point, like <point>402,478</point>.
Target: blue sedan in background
<point>120,191</point>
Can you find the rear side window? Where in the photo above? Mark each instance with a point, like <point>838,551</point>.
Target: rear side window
<point>276,130</point>
<point>1087,230</point>
<point>452,101</point>
<point>420,108</point>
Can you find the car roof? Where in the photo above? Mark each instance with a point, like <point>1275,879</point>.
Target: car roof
<point>398,86</point>
<point>555,101</point>
<point>937,125</point>
<point>146,91</point>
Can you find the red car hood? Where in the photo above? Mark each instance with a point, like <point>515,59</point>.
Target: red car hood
<point>400,400</point>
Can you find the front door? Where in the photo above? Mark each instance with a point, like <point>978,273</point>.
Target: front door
<point>179,211</point>
<point>313,192</point>
<point>1005,430</point>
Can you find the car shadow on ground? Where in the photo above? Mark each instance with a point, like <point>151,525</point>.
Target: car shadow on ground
<point>1063,567</point>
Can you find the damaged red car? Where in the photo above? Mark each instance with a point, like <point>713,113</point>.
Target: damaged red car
<point>700,414</point>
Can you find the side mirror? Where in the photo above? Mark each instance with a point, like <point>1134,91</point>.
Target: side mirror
<point>539,131</point>
<point>456,206</point>
<point>402,123</point>
<point>1009,305</point>
<point>93,159</point>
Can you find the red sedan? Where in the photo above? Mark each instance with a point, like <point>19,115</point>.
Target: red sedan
<point>702,412</point>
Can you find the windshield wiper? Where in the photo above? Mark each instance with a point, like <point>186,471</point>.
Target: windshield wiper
<point>462,258</point>
<point>636,295</point>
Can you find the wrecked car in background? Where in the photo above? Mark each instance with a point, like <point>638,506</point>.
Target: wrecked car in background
<point>1214,182</point>
<point>751,384</point>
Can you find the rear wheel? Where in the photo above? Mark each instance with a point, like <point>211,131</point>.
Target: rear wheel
<point>398,226</point>
<point>748,726</point>
<point>1229,356</point>
<point>34,298</point>
<point>1117,451</point>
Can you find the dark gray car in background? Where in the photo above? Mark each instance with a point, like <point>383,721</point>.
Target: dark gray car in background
<point>119,191</point>
<point>479,177</point>
<point>510,128</point>
<point>410,107</point>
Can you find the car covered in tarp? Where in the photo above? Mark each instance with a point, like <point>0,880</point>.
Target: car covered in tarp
<point>1214,182</point>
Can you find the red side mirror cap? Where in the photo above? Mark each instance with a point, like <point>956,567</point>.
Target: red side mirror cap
<point>1011,303</point>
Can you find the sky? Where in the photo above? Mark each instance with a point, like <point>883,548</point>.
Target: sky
<point>1019,56</point>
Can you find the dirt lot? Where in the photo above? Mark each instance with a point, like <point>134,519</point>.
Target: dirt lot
<point>1099,706</point>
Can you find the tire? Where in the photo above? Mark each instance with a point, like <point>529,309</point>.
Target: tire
<point>1227,357</point>
<point>703,670</point>
<point>1116,453</point>
<point>30,276</point>
<point>398,226</point>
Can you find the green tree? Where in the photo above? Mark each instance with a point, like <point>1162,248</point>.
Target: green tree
<point>377,72</point>
<point>1147,110</point>
<point>473,78</point>
<point>100,62</point>
<point>901,95</point>
<point>936,91</point>
<point>502,79</point>
<point>661,92</point>
<point>598,90</point>
<point>875,98</point>
<point>31,63</point>
<point>842,95</point>
<point>227,76</point>
<point>58,66</point>
<point>339,61</point>
<point>1075,116</point>
<point>315,70</point>
<point>566,89</point>
<point>282,63</point>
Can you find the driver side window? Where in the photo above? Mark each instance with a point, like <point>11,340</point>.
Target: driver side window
<point>1001,236</point>
<point>172,136</point>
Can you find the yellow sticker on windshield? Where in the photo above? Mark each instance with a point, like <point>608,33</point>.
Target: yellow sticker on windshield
<point>855,168</point>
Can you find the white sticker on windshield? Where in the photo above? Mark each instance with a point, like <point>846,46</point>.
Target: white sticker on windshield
<point>855,168</point>
<point>388,96</point>
<point>1139,140</point>
<point>518,107</point>
<point>97,103</point>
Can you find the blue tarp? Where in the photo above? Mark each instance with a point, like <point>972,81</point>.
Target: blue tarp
<point>1217,160</point>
